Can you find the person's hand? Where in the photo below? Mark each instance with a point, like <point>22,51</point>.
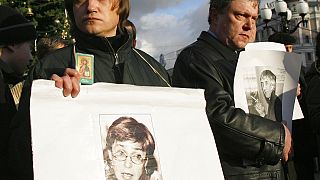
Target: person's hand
<point>70,82</point>
<point>287,145</point>
<point>298,93</point>
<point>260,109</point>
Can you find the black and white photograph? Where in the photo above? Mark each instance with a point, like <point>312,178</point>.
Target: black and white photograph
<point>263,89</point>
<point>129,148</point>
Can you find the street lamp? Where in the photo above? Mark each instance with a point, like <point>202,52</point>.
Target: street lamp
<point>285,14</point>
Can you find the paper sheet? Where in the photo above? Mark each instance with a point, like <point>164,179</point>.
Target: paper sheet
<point>297,112</point>
<point>251,85</point>
<point>68,135</point>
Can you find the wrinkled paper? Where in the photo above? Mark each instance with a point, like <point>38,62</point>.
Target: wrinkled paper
<point>259,57</point>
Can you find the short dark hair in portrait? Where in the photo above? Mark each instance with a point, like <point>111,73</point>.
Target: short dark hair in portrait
<point>129,150</point>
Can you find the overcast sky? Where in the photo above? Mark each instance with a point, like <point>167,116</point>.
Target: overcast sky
<point>165,26</point>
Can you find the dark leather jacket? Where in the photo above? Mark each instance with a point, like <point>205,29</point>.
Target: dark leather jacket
<point>313,96</point>
<point>249,146</point>
<point>115,61</point>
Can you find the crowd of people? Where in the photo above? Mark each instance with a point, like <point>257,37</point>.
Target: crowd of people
<point>250,146</point>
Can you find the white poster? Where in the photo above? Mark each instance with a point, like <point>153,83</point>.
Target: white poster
<point>122,132</point>
<point>265,83</point>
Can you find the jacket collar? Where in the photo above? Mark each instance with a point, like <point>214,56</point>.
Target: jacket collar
<point>112,44</point>
<point>222,49</point>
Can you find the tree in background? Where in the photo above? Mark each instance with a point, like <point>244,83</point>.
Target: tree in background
<point>49,16</point>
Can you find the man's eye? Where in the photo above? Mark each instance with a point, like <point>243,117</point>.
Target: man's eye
<point>240,17</point>
<point>255,18</point>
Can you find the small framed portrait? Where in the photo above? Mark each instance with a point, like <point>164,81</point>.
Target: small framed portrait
<point>85,66</point>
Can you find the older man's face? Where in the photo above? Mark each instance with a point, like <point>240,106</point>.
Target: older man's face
<point>237,26</point>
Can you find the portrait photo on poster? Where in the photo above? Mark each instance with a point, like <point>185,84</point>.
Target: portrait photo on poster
<point>264,89</point>
<point>129,147</point>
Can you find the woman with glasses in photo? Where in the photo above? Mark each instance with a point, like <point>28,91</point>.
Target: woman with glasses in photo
<point>129,151</point>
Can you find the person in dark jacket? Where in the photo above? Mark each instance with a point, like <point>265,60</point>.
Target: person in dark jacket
<point>313,99</point>
<point>15,56</point>
<point>102,38</point>
<point>271,102</point>
<point>249,146</point>
<point>302,135</point>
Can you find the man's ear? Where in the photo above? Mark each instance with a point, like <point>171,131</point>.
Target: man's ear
<point>212,15</point>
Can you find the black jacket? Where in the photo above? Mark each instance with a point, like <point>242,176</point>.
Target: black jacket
<point>7,112</point>
<point>249,146</point>
<point>313,95</point>
<point>15,145</point>
<point>115,61</point>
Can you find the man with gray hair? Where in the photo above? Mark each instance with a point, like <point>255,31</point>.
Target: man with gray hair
<point>249,146</point>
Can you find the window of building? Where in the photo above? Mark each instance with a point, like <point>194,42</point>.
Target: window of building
<point>309,56</point>
<point>306,39</point>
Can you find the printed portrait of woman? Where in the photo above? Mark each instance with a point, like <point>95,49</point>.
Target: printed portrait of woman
<point>129,151</point>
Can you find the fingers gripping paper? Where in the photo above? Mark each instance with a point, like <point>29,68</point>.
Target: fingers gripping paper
<point>121,132</point>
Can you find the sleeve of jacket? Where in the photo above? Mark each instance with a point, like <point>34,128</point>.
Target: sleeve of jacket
<point>238,135</point>
<point>313,102</point>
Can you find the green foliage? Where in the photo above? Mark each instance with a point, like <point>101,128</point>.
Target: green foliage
<point>48,16</point>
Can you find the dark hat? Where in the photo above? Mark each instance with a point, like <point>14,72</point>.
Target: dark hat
<point>14,28</point>
<point>283,38</point>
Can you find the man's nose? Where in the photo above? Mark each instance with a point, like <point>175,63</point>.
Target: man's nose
<point>92,5</point>
<point>249,24</point>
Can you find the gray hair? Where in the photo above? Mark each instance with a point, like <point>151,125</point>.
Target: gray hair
<point>220,6</point>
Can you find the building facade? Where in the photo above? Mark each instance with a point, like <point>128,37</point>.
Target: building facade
<point>305,33</point>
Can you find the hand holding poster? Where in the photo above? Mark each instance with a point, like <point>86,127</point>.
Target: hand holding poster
<point>119,132</point>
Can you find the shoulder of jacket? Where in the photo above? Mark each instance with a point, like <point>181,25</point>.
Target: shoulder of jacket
<point>146,56</point>
<point>61,53</point>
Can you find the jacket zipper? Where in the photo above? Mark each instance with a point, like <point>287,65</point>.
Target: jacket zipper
<point>115,54</point>
<point>117,58</point>
<point>116,63</point>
